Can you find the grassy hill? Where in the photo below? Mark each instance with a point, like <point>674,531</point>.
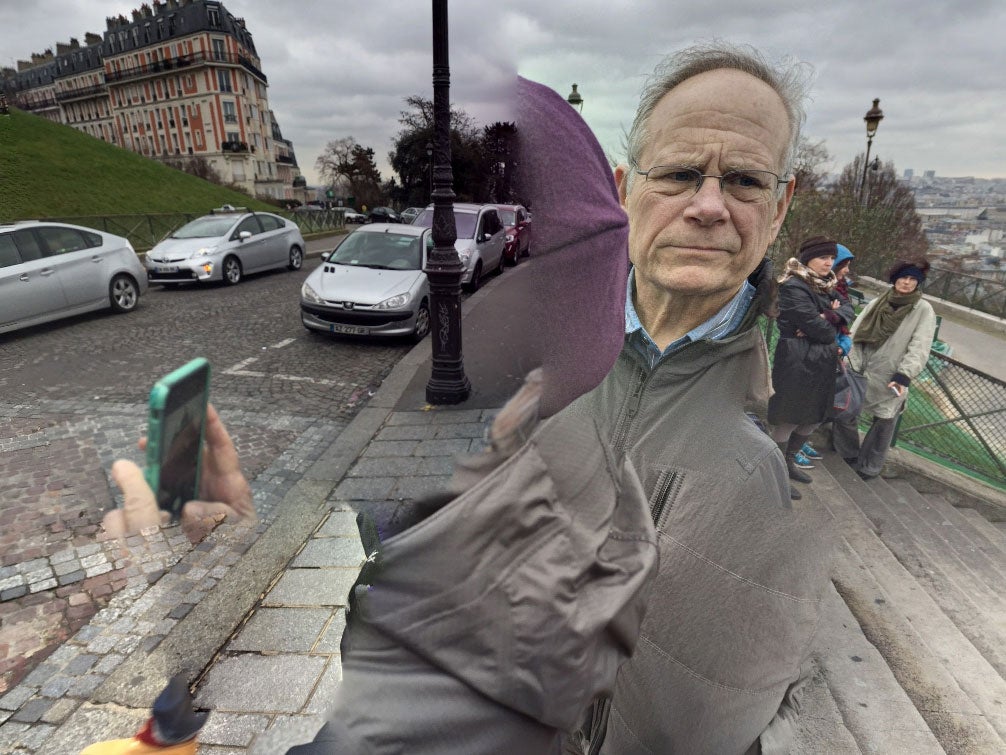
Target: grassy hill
<point>48,170</point>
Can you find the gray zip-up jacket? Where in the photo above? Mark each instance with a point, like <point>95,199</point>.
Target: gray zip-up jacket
<point>736,599</point>
<point>490,624</point>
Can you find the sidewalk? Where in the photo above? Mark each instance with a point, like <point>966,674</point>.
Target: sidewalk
<point>254,615</point>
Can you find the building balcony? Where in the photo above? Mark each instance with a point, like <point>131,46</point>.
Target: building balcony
<point>175,65</point>
<point>83,93</point>
<point>234,146</point>
<point>285,159</point>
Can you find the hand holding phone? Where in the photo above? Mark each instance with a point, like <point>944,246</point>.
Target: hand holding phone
<point>896,389</point>
<point>175,430</point>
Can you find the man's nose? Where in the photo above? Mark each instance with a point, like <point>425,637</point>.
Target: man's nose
<point>707,205</point>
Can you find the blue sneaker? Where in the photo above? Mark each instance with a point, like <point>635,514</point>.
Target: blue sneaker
<point>802,461</point>
<point>810,452</point>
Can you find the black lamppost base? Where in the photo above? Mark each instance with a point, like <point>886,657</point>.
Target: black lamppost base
<point>448,390</point>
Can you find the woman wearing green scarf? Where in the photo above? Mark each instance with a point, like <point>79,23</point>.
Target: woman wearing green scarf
<point>891,340</point>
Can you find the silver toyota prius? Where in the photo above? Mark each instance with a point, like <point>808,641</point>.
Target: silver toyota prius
<point>54,270</point>
<point>373,284</point>
<point>225,246</point>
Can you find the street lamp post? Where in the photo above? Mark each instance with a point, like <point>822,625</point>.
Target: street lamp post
<point>448,383</point>
<point>429,163</point>
<point>873,118</point>
<point>575,99</point>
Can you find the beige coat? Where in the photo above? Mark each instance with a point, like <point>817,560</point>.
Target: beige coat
<point>906,351</point>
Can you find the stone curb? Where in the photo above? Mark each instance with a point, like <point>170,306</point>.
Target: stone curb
<point>191,644</point>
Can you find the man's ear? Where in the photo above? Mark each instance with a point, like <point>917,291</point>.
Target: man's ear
<point>782,206</point>
<point>622,182</point>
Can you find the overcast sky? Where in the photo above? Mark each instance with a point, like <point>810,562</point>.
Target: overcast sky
<point>342,69</point>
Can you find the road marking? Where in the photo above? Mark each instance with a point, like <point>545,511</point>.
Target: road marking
<point>236,369</point>
<point>284,342</point>
<point>290,378</point>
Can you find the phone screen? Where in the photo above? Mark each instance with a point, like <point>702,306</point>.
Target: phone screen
<point>174,443</point>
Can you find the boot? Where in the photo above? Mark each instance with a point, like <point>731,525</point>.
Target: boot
<point>171,729</point>
<point>791,447</point>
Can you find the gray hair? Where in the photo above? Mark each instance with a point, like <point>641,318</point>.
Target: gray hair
<point>790,79</point>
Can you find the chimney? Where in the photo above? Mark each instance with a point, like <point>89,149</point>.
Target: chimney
<point>90,38</point>
<point>74,43</point>
<point>137,15</point>
<point>145,11</point>
<point>63,49</point>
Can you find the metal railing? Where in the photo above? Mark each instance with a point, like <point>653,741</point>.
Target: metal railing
<point>145,231</point>
<point>955,415</point>
<point>984,294</point>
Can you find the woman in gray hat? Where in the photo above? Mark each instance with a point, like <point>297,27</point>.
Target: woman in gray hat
<point>891,341</point>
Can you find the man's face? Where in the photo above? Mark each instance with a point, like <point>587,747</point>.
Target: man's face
<point>707,243</point>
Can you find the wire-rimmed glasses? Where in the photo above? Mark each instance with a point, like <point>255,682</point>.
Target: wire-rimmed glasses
<point>743,185</point>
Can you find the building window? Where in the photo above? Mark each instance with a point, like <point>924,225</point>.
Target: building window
<point>230,112</point>
<point>224,81</point>
<point>219,49</point>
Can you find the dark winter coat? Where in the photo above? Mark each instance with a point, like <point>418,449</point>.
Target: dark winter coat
<point>803,371</point>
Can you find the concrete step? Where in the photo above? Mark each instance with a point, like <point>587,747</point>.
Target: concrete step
<point>873,709</point>
<point>970,546</point>
<point>976,611</point>
<point>951,684</point>
<point>995,536</point>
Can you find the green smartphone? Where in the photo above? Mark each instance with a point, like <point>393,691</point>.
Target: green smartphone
<point>175,430</point>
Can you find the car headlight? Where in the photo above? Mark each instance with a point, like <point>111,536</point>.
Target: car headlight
<point>399,300</point>
<point>205,251</point>
<point>309,294</point>
<point>465,255</point>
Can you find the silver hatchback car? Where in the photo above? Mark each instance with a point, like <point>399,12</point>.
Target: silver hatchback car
<point>481,239</point>
<point>225,246</point>
<point>54,270</point>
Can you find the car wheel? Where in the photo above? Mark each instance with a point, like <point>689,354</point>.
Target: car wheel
<point>422,322</point>
<point>500,266</point>
<point>123,293</point>
<point>516,257</point>
<point>296,258</point>
<point>232,271</point>
<point>476,281</point>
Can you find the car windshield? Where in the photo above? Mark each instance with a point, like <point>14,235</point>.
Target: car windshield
<point>465,222</point>
<point>383,251</point>
<point>205,227</point>
<point>509,217</point>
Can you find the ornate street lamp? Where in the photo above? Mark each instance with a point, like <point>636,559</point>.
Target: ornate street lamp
<point>448,383</point>
<point>429,163</point>
<point>575,99</point>
<point>873,118</point>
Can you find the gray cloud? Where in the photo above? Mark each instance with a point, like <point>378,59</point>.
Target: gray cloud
<point>339,68</point>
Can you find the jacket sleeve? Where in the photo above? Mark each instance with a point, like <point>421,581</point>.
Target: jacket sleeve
<point>846,311</point>
<point>917,353</point>
<point>777,739</point>
<point>800,309</point>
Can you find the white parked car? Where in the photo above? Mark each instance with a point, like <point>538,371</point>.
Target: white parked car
<point>54,270</point>
<point>373,284</point>
<point>225,246</point>
<point>481,239</point>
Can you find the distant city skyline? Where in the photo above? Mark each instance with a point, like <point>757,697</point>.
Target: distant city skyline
<point>338,70</point>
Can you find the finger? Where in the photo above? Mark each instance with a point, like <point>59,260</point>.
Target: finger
<point>219,443</point>
<point>139,508</point>
<point>142,443</point>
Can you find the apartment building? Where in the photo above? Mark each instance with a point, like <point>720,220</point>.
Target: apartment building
<point>180,79</point>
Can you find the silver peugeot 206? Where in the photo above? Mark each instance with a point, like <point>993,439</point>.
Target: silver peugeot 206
<point>373,284</point>
<point>225,246</point>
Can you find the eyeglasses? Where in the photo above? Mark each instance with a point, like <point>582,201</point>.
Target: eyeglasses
<point>742,185</point>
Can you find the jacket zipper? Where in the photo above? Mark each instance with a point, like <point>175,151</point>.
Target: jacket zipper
<point>667,480</point>
<point>621,433</point>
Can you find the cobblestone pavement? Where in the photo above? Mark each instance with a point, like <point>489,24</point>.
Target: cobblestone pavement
<point>74,399</point>
<point>271,685</point>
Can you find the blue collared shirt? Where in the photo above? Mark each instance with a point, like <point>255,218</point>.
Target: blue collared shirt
<point>719,326</point>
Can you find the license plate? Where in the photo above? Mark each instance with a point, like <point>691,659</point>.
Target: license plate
<point>167,269</point>
<point>351,329</point>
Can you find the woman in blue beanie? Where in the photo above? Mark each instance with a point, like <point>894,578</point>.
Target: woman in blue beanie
<point>891,339</point>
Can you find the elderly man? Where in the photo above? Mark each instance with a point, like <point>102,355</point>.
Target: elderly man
<point>735,601</point>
